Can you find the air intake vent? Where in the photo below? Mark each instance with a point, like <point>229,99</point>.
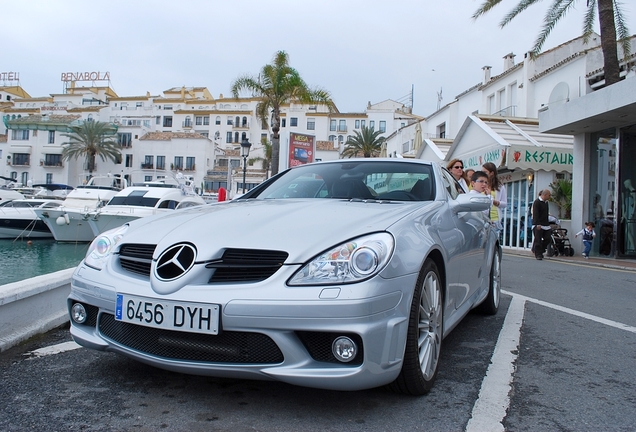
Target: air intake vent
<point>246,265</point>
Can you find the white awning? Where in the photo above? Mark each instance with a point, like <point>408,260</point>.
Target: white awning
<point>512,144</point>
<point>52,150</point>
<point>19,149</point>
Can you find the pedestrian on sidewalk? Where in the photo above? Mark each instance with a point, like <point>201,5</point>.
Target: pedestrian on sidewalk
<point>540,219</point>
<point>588,237</point>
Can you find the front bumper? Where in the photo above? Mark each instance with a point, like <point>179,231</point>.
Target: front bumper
<point>257,322</point>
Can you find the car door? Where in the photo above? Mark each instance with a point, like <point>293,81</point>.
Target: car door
<point>474,230</point>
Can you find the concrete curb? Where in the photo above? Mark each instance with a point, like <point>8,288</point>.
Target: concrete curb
<point>33,306</point>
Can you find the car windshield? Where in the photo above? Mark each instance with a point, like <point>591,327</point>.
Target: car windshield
<point>366,180</point>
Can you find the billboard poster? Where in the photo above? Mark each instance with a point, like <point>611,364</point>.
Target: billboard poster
<point>302,149</point>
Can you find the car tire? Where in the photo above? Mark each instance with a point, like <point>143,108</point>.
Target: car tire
<point>424,335</point>
<point>490,306</point>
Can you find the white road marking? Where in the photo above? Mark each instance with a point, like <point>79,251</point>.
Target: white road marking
<point>493,401</point>
<point>494,396</point>
<point>607,322</point>
<point>54,349</point>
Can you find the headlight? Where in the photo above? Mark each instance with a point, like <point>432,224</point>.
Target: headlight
<point>102,247</point>
<point>349,262</point>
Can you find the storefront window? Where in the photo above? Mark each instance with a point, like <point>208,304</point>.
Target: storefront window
<point>627,192</point>
<point>517,224</point>
<point>602,186</point>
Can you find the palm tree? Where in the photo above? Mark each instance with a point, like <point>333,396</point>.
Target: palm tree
<point>368,143</point>
<point>278,84</point>
<point>90,139</point>
<point>267,159</point>
<point>610,20</point>
<point>562,195</point>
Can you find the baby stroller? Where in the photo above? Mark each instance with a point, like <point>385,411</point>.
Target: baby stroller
<point>559,241</point>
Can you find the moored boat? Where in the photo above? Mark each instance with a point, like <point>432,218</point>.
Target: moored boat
<point>69,222</point>
<point>167,193</point>
<point>18,218</point>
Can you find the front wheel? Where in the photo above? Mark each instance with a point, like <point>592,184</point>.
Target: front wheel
<point>424,337</point>
<point>490,306</point>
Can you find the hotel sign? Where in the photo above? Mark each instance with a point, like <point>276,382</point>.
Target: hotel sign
<point>9,76</point>
<point>85,76</point>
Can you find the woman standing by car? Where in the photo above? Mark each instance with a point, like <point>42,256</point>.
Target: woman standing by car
<point>498,192</point>
<point>456,168</point>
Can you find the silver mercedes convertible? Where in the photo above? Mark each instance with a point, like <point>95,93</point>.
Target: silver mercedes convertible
<point>342,275</point>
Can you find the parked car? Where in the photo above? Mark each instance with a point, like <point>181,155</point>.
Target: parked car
<point>341,275</point>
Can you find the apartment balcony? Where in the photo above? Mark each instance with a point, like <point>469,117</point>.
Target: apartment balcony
<point>52,164</point>
<point>242,126</point>
<point>147,166</point>
<point>186,124</point>
<point>342,129</point>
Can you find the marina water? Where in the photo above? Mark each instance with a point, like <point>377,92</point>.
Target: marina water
<point>21,259</point>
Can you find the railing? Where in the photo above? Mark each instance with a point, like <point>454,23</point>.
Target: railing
<point>186,124</point>
<point>507,112</point>
<point>147,166</point>
<point>53,164</point>
<point>241,126</point>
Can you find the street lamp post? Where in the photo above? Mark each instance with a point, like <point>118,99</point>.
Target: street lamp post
<point>245,152</point>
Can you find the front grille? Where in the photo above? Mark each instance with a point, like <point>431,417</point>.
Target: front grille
<point>226,347</point>
<point>246,265</point>
<point>136,258</point>
<point>318,344</point>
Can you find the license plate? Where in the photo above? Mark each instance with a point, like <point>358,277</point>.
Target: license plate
<point>169,315</point>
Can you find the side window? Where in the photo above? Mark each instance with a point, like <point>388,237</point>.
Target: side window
<point>450,184</point>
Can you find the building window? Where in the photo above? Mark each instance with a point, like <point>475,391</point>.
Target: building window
<point>244,122</point>
<point>293,122</point>
<point>283,122</point>
<point>332,125</point>
<point>187,122</point>
<point>124,139</point>
<point>236,137</point>
<point>51,137</point>
<point>190,166</point>
<point>147,178</point>
<point>161,162</point>
<point>228,137</point>
<point>206,121</point>
<point>371,124</point>
<point>21,159</point>
<point>342,126</point>
<point>167,107</point>
<point>167,121</point>
<point>311,124</point>
<point>148,162</point>
<point>129,160</point>
<point>158,120</point>
<point>19,135</point>
<point>363,123</point>
<point>357,124</point>
<point>178,163</point>
<point>53,160</point>
<point>229,121</point>
<point>382,126</point>
<point>441,130</point>
<point>405,147</point>
<point>198,120</point>
<point>49,178</point>
<point>332,138</point>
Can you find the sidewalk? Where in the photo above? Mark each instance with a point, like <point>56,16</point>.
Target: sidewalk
<point>607,262</point>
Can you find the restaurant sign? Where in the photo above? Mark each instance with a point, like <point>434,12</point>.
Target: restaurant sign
<point>540,158</point>
<point>495,154</point>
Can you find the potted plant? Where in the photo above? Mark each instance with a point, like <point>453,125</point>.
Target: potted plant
<point>562,196</point>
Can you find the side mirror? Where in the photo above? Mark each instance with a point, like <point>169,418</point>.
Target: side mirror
<point>470,203</point>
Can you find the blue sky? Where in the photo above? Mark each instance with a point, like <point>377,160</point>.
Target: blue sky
<point>359,50</point>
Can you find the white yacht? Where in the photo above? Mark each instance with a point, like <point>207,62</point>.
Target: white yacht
<point>167,193</point>
<point>18,218</point>
<point>69,222</point>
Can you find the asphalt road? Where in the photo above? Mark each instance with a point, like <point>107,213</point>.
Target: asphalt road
<point>573,371</point>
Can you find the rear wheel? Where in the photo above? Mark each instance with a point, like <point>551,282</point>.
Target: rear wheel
<point>490,306</point>
<point>424,337</point>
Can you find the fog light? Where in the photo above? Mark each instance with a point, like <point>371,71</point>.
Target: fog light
<point>78,313</point>
<point>344,349</point>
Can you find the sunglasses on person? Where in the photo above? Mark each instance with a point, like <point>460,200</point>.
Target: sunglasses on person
<point>459,166</point>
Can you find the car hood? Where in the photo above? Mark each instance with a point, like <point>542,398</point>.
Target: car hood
<point>302,228</point>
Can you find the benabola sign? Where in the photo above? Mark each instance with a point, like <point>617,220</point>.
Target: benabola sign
<point>85,76</point>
